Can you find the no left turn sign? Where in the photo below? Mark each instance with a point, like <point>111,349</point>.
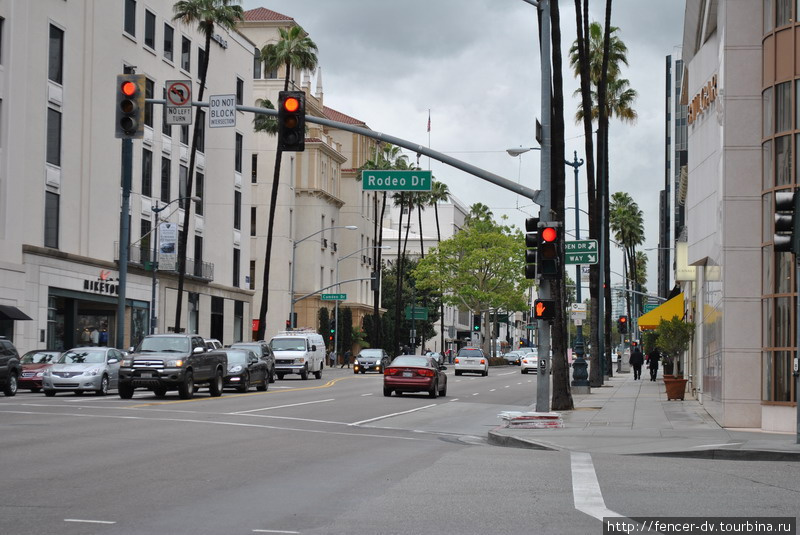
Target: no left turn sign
<point>178,109</point>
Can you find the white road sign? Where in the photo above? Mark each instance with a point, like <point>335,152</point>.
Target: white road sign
<point>221,111</point>
<point>178,109</point>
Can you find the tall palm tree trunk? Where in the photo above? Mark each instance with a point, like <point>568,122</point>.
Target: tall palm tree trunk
<point>607,257</point>
<point>419,218</point>
<point>441,303</point>
<point>399,272</point>
<point>378,269</point>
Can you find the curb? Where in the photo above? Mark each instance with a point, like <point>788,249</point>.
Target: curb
<point>729,455</point>
<point>506,441</point>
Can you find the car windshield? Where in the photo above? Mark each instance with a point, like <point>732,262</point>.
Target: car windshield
<point>410,360</point>
<point>237,357</point>
<point>164,344</point>
<point>470,353</point>
<point>83,356</point>
<point>39,357</point>
<point>369,353</point>
<point>288,344</point>
<point>255,348</point>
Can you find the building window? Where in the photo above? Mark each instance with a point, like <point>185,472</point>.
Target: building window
<point>217,318</point>
<point>201,61</point>
<point>272,75</point>
<point>130,17</point>
<point>783,12</point>
<point>199,179</point>
<point>166,129</point>
<point>254,168</point>
<point>767,113</point>
<point>236,267</point>
<point>2,23</point>
<point>145,247</point>
<point>149,29</point>
<point>257,62</point>
<point>239,91</point>
<point>169,42</point>
<point>252,274</point>
<point>194,312</point>
<point>237,164</point>
<point>783,160</point>
<point>147,173</point>
<point>186,53</point>
<point>201,134</point>
<point>53,137</point>
<point>166,177</point>
<point>768,16</point>
<point>183,177</point>
<point>185,134</point>
<point>253,226</point>
<point>783,107</point>
<point>55,63</point>
<point>198,256</point>
<point>237,210</point>
<point>51,209</point>
<point>149,88</point>
<point>238,320</point>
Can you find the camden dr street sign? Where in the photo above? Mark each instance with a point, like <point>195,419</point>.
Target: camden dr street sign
<point>396,180</point>
<point>580,252</point>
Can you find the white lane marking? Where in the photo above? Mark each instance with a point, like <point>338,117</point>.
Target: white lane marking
<point>272,531</point>
<point>393,414</point>
<point>507,386</point>
<point>585,488</point>
<point>519,383</point>
<point>362,395</point>
<point>281,406</point>
<point>492,390</point>
<point>475,394</point>
<point>88,521</point>
<point>454,399</point>
<point>507,373</point>
<point>715,445</point>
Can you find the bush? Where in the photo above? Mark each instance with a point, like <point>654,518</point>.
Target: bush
<point>497,361</point>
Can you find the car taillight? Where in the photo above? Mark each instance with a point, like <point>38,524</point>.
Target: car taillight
<point>524,361</point>
<point>425,373</point>
<point>391,371</point>
<point>456,360</point>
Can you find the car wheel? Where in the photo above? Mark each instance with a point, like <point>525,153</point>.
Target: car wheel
<point>264,384</point>
<point>458,372</point>
<point>272,375</point>
<point>485,373</point>
<point>524,370</point>
<point>363,370</point>
<point>434,391</point>
<point>103,390</point>
<point>159,391</point>
<point>280,376</point>
<point>215,387</point>
<point>11,386</point>
<point>318,374</point>
<point>186,388</point>
<point>443,391</point>
<point>35,390</point>
<point>244,386</point>
<point>78,392</point>
<point>387,391</point>
<point>304,374</point>
<point>126,391</point>
<point>49,393</point>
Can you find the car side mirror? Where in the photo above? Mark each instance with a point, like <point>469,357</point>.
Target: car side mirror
<point>113,361</point>
<point>130,349</point>
<point>199,350</point>
<point>313,348</point>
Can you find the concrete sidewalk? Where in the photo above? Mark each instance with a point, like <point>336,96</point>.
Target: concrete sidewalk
<point>634,418</point>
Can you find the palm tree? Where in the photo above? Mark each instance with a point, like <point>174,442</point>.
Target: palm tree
<point>626,222</point>
<point>618,53</point>
<point>207,14</point>
<point>293,49</point>
<point>439,193</point>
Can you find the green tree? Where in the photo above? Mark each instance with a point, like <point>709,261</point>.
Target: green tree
<point>626,221</point>
<point>296,50</point>
<point>346,330</point>
<point>324,325</point>
<point>207,14</point>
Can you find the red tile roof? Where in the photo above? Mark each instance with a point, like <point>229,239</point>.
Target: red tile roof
<point>340,117</point>
<point>262,14</point>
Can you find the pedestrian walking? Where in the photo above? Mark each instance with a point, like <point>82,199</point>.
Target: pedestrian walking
<point>652,362</point>
<point>346,360</point>
<point>332,357</point>
<point>636,360</point>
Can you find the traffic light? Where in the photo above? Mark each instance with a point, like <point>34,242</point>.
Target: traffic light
<point>373,281</point>
<point>531,243</point>
<point>130,106</point>
<point>333,329</point>
<point>292,121</point>
<point>622,324</point>
<point>548,263</point>
<point>476,322</point>
<point>787,227</point>
<point>544,309</point>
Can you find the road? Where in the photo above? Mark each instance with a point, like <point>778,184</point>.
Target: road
<point>334,456</point>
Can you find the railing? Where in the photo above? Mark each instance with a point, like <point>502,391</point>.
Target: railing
<point>142,257</point>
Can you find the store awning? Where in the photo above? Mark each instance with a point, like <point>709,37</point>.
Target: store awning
<point>12,313</point>
<point>664,311</point>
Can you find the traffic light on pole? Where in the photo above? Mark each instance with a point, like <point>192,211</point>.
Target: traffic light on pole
<point>787,213</point>
<point>549,252</point>
<point>476,322</point>
<point>622,324</point>
<point>292,121</point>
<point>531,243</point>
<point>130,106</point>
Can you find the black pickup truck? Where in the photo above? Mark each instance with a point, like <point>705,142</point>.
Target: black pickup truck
<point>163,362</point>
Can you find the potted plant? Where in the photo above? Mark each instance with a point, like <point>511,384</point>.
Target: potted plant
<point>674,336</point>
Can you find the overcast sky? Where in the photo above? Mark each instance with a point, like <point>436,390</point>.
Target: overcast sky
<point>475,65</point>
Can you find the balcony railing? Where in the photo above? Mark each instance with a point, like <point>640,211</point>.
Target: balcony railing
<point>141,258</point>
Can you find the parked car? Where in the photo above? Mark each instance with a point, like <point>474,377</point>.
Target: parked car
<point>263,352</point>
<point>245,369</point>
<point>512,358</point>
<point>34,363</point>
<point>83,369</point>
<point>471,360</point>
<point>530,362</point>
<point>212,344</point>
<point>10,368</point>
<point>371,360</point>
<point>298,352</point>
<point>438,357</point>
<point>415,373</point>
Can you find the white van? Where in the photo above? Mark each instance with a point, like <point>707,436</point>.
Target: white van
<point>300,352</point>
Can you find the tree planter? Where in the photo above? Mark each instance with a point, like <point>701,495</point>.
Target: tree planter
<point>676,388</point>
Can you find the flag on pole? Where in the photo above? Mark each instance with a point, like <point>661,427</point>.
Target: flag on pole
<point>429,120</point>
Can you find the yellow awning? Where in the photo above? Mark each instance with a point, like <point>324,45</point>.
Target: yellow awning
<point>664,311</point>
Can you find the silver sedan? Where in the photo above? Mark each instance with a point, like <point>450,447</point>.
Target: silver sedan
<point>83,369</point>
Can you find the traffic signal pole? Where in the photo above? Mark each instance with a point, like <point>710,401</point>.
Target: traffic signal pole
<point>124,227</point>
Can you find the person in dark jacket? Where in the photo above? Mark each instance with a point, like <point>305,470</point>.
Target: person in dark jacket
<point>652,362</point>
<point>636,360</point>
<point>347,355</point>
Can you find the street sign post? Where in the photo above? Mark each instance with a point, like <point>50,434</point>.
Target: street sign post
<point>333,297</point>
<point>396,180</point>
<point>178,109</point>
<point>580,252</point>
<point>416,313</point>
<point>221,111</point>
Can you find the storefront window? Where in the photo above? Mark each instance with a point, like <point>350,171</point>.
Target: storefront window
<point>783,160</point>
<point>766,159</point>
<point>784,271</point>
<point>783,12</point>
<point>766,376</point>
<point>194,311</point>
<point>766,325</point>
<point>768,20</point>
<point>766,270</point>
<point>783,107</point>
<point>767,113</point>
<point>783,331</point>
<point>783,376</point>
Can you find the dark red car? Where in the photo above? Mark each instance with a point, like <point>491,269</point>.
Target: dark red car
<point>413,373</point>
<point>34,363</point>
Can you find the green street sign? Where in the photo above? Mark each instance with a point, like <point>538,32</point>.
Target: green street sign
<point>580,258</point>
<point>396,180</point>
<point>580,246</point>
<point>334,297</point>
<point>650,306</point>
<point>416,313</point>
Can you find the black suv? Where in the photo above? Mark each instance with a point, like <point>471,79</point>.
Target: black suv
<point>10,369</point>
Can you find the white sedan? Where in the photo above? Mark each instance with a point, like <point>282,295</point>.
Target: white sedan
<point>471,360</point>
<point>530,362</point>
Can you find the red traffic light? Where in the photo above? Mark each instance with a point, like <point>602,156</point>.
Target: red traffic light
<point>128,88</point>
<point>549,234</point>
<point>623,319</point>
<point>291,104</point>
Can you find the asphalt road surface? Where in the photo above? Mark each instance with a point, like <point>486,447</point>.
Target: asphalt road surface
<point>334,456</point>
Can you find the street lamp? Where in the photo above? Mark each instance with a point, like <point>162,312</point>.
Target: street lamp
<point>294,250</point>
<point>336,305</point>
<point>157,210</point>
<point>520,150</point>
